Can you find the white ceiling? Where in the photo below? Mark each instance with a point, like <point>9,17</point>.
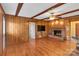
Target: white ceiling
<point>61,9</point>
<point>10,8</point>
<point>65,8</point>
<point>31,9</point>
<point>70,14</point>
<point>45,15</point>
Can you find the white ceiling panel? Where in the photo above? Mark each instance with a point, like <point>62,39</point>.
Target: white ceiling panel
<point>65,8</point>
<point>10,8</point>
<point>61,9</point>
<point>71,14</point>
<point>45,15</point>
<point>31,9</point>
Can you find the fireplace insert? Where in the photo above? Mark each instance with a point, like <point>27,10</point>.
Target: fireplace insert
<point>57,33</point>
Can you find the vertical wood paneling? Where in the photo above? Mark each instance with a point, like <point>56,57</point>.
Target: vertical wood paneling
<point>77,29</point>
<point>16,29</point>
<point>1,39</point>
<point>1,31</point>
<point>71,24</point>
<point>44,33</point>
<point>64,26</point>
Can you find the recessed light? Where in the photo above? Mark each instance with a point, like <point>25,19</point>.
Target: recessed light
<point>56,22</point>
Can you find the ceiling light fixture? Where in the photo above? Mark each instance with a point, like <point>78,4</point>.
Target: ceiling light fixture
<point>53,17</point>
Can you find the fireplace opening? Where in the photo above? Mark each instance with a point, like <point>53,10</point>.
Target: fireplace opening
<point>57,33</point>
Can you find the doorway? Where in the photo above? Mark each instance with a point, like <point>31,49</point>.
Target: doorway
<point>31,30</point>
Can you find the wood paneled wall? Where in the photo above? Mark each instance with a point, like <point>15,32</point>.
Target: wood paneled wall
<point>65,26</point>
<point>55,24</point>
<point>16,29</point>
<point>20,31</point>
<point>71,25</point>
<point>1,39</point>
<point>77,29</point>
<point>40,34</point>
<point>73,20</point>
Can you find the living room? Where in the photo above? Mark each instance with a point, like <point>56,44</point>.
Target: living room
<point>39,29</point>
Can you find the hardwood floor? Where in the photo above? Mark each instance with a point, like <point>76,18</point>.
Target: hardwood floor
<point>41,47</point>
<point>75,52</point>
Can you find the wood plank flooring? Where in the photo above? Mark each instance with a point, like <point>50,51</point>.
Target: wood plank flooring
<point>41,47</point>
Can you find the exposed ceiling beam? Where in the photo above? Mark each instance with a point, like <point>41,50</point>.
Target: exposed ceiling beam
<point>65,13</point>
<point>68,12</point>
<point>48,18</point>
<point>2,8</point>
<point>45,18</point>
<point>18,8</point>
<point>55,6</point>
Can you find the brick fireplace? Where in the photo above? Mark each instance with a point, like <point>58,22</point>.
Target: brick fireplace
<point>58,32</point>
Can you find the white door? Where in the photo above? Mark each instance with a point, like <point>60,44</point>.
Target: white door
<point>31,30</point>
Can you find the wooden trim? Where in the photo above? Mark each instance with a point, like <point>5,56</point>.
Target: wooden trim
<point>48,18</point>
<point>71,17</point>
<point>45,18</point>
<point>2,8</point>
<point>68,12</point>
<point>30,20</point>
<point>55,6</point>
<point>18,8</point>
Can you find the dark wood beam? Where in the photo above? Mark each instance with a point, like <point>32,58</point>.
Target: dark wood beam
<point>55,6</point>
<point>18,8</point>
<point>68,12</point>
<point>2,8</point>
<point>65,13</point>
<point>48,17</point>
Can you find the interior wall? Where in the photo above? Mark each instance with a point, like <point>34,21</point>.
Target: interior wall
<point>73,21</point>
<point>1,39</point>
<point>22,23</point>
<point>56,24</point>
<point>60,24</point>
<point>73,28</point>
<point>77,29</point>
<point>42,34</point>
<point>17,29</point>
